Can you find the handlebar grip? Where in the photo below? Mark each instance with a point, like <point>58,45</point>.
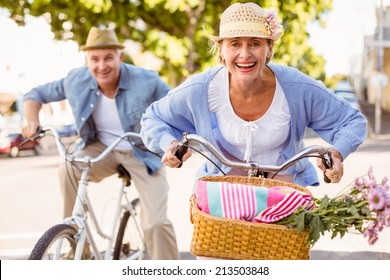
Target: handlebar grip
<point>328,163</point>
<point>326,179</point>
<point>180,152</point>
<point>39,133</point>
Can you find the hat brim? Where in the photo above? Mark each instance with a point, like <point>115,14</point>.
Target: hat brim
<point>217,39</point>
<point>96,47</point>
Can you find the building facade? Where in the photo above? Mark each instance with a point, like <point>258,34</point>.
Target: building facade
<point>375,79</point>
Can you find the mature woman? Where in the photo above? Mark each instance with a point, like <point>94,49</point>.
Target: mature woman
<point>251,109</point>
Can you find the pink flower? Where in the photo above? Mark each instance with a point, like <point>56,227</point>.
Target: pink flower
<point>384,181</point>
<point>359,184</point>
<point>372,234</point>
<point>386,218</point>
<point>371,173</point>
<point>376,199</point>
<point>271,22</point>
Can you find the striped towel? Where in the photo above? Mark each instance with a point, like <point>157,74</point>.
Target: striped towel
<point>249,203</point>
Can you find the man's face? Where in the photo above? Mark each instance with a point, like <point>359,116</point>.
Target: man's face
<point>104,65</point>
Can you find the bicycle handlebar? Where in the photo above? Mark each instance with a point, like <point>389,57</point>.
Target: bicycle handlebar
<point>254,167</point>
<point>69,157</point>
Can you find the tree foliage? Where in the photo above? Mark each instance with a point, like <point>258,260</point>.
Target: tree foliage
<point>176,30</point>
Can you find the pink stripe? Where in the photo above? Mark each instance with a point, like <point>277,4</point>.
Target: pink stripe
<point>293,204</point>
<point>249,200</point>
<point>284,208</point>
<point>311,205</point>
<point>286,205</point>
<point>231,203</point>
<point>252,205</point>
<point>247,212</point>
<point>238,201</point>
<point>224,199</point>
<point>228,201</point>
<point>242,202</point>
<point>201,195</point>
<point>235,203</point>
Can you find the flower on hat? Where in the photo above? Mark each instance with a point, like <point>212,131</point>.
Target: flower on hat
<point>272,23</point>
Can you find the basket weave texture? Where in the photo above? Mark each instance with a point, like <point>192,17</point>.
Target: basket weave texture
<point>241,240</point>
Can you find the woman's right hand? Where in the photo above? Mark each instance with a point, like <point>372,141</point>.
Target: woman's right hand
<point>30,129</point>
<point>169,159</point>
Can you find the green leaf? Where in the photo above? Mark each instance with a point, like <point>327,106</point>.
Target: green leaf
<point>316,227</point>
<point>324,202</point>
<point>300,222</point>
<point>354,211</point>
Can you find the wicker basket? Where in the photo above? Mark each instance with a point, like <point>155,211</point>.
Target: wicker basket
<point>235,239</point>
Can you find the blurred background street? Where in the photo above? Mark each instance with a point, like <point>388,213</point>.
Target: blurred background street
<point>346,46</point>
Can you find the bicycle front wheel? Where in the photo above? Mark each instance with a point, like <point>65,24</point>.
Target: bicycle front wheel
<point>130,242</point>
<point>58,243</point>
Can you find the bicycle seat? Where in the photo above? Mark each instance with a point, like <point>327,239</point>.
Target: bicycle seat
<point>124,174</point>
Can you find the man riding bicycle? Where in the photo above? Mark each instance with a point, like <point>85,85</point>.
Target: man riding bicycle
<point>108,98</point>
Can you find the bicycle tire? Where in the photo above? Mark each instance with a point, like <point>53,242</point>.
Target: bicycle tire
<point>129,239</point>
<point>50,239</point>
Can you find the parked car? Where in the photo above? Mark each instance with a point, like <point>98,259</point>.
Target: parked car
<point>15,142</point>
<point>343,86</point>
<point>5,145</point>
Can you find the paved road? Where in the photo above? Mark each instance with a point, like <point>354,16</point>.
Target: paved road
<point>30,202</point>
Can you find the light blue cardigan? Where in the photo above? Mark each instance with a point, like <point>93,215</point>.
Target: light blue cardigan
<point>185,109</point>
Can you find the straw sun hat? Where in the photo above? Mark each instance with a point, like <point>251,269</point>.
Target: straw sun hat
<point>248,20</point>
<point>101,39</point>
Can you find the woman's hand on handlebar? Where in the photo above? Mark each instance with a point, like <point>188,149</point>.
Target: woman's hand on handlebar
<point>336,172</point>
<point>170,159</point>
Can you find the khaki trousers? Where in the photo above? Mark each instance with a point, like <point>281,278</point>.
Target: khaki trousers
<point>153,192</point>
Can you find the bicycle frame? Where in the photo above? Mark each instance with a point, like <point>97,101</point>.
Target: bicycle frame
<point>80,218</point>
<point>83,214</point>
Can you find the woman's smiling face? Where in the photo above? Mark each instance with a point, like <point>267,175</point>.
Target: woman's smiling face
<point>246,57</point>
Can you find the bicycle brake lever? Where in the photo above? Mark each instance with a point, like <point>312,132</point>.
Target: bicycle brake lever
<point>328,163</point>
<point>38,134</point>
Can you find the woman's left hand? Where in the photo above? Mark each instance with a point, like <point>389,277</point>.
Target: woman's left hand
<point>337,171</point>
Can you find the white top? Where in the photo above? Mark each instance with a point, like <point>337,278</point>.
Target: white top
<point>108,124</point>
<point>261,140</point>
